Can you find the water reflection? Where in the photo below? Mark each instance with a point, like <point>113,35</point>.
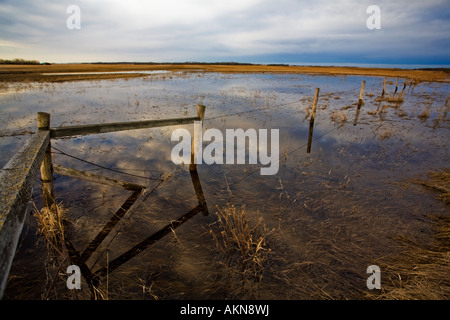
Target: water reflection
<point>107,72</point>
<point>93,278</point>
<point>347,190</point>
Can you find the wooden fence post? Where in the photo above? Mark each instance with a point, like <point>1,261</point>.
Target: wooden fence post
<point>360,101</point>
<point>384,88</point>
<point>403,90</point>
<point>46,165</point>
<point>396,88</point>
<point>311,121</point>
<point>361,94</point>
<point>201,115</point>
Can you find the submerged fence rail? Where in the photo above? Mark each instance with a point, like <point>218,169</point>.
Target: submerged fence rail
<point>18,177</point>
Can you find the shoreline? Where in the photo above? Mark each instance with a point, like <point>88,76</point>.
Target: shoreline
<point>34,73</point>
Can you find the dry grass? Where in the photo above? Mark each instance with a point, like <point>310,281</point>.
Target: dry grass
<point>50,223</point>
<point>399,99</point>
<point>338,117</point>
<point>50,226</point>
<point>422,273</point>
<point>242,250</point>
<point>392,99</point>
<point>424,115</point>
<point>385,107</point>
<point>440,117</point>
<point>438,181</point>
<point>402,113</point>
<point>33,72</point>
<point>386,134</point>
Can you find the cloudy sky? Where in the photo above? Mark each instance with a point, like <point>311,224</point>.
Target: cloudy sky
<point>257,31</point>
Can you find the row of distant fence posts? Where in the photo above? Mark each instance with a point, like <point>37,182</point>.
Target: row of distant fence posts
<point>18,176</point>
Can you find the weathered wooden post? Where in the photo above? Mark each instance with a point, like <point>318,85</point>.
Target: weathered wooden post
<point>195,138</point>
<point>396,87</point>
<point>403,90</point>
<point>46,165</point>
<point>361,94</point>
<point>360,102</point>
<point>311,121</point>
<point>355,121</point>
<point>384,87</point>
<point>199,192</point>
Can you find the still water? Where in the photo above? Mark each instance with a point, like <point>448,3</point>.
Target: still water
<point>326,215</point>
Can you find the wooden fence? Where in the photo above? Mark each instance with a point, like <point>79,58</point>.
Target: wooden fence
<point>19,175</point>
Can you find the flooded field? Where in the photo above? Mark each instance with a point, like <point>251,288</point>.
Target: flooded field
<point>308,232</point>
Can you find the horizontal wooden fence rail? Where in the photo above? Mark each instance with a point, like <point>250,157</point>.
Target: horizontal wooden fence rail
<point>118,126</point>
<point>17,179</point>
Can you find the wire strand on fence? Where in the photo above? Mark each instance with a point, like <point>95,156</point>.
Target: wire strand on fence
<point>253,110</point>
<point>210,118</point>
<point>105,168</point>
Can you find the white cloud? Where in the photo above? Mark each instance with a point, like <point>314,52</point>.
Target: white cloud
<point>181,30</point>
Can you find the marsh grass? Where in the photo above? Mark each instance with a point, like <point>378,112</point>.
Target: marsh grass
<point>442,116</point>
<point>50,225</point>
<point>402,113</point>
<point>242,251</point>
<point>438,181</point>
<point>324,258</point>
<point>422,272</point>
<point>338,117</point>
<point>391,99</point>
<point>424,115</point>
<point>386,134</point>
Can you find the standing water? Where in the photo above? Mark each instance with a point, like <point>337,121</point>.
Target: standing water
<point>307,232</point>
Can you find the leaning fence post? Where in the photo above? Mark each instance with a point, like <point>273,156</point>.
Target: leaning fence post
<point>195,139</point>
<point>396,88</point>
<point>361,94</point>
<point>201,112</point>
<point>360,102</point>
<point>311,121</point>
<point>46,165</point>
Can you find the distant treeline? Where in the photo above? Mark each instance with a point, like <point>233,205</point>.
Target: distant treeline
<point>190,63</point>
<point>446,70</point>
<point>19,61</point>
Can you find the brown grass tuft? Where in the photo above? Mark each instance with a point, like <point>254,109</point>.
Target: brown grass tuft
<point>386,134</point>
<point>50,223</point>
<point>423,272</point>
<point>438,181</point>
<point>424,115</point>
<point>242,249</point>
<point>338,117</point>
<point>392,99</point>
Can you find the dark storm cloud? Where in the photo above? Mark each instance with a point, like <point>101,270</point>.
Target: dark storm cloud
<point>216,30</point>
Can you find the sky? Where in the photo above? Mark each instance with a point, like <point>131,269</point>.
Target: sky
<point>247,31</point>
